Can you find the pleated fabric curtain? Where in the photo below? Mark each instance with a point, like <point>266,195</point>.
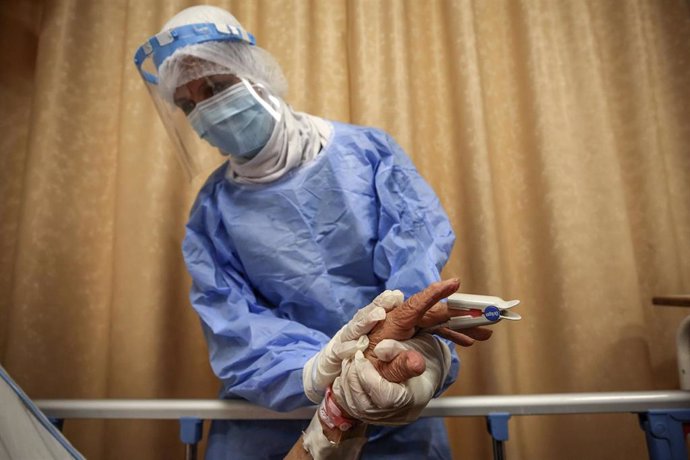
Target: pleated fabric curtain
<point>555,133</point>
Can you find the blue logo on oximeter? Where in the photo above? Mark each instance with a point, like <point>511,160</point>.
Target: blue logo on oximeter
<point>492,313</point>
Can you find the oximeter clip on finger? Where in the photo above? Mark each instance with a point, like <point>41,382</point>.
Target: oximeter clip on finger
<point>472,310</point>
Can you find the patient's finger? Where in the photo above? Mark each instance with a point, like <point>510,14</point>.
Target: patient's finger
<point>478,333</point>
<point>404,366</point>
<point>413,309</point>
<point>438,314</point>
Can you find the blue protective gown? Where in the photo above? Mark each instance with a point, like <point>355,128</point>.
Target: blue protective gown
<point>278,268</point>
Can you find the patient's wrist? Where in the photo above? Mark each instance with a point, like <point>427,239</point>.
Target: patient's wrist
<point>332,434</point>
<point>333,417</point>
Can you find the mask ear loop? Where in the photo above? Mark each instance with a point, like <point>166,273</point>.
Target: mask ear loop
<point>272,110</point>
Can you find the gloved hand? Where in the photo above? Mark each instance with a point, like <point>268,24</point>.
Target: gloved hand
<point>365,395</point>
<point>322,368</point>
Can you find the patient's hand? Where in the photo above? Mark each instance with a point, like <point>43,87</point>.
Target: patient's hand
<point>420,310</point>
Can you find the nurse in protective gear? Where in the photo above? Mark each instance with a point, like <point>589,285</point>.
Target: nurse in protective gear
<point>302,223</point>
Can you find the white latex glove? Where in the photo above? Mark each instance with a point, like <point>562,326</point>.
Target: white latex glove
<point>322,368</point>
<point>365,395</point>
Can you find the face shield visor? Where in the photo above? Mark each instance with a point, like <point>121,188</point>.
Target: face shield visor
<point>235,114</point>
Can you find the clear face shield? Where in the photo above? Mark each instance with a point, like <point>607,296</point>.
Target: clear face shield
<point>213,115</point>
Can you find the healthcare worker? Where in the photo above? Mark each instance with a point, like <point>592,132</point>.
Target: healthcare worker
<point>303,223</point>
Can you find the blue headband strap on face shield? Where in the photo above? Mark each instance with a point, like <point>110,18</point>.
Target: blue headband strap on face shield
<point>161,46</point>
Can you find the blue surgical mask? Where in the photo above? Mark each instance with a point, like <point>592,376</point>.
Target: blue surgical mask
<point>234,121</point>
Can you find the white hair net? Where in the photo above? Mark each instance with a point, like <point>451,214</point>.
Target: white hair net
<point>216,57</point>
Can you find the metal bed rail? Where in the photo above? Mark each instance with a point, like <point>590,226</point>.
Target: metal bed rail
<point>664,415</point>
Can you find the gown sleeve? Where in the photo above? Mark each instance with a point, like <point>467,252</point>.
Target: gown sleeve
<point>256,354</point>
<point>415,236</point>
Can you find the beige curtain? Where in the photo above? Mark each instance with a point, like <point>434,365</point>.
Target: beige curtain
<point>555,132</point>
